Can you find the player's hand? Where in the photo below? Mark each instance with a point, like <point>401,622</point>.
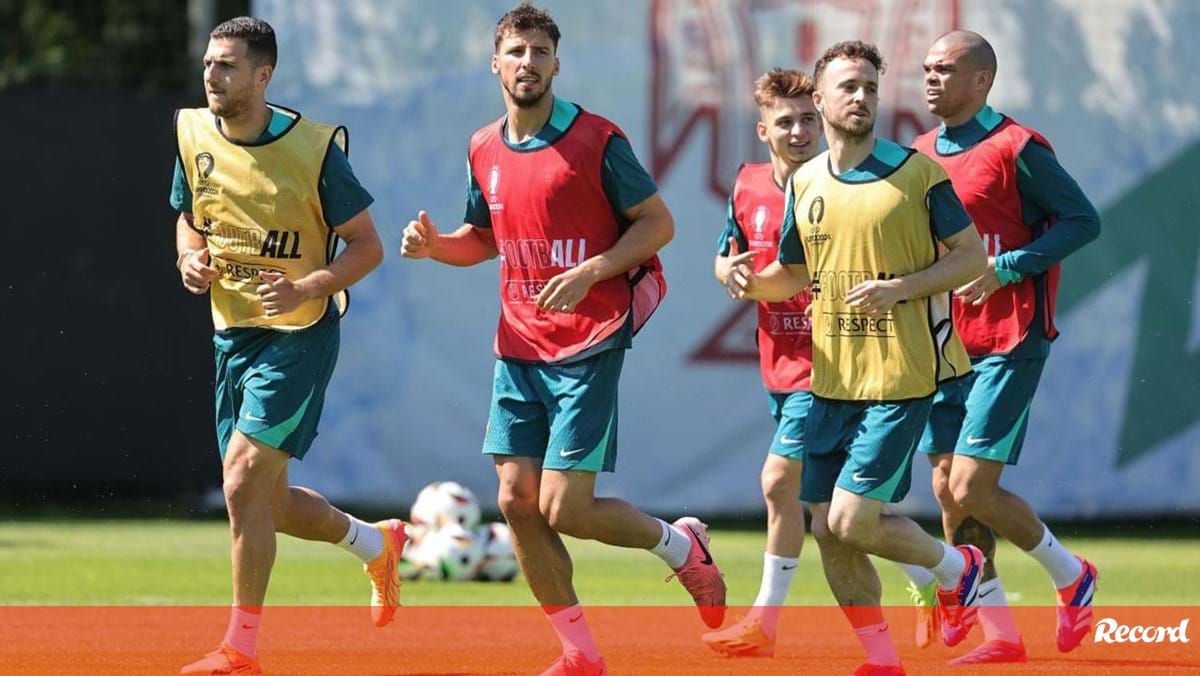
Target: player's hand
<point>875,297</point>
<point>740,273</point>
<point>981,288</point>
<point>278,294</point>
<point>195,271</point>
<point>565,290</point>
<point>419,237</point>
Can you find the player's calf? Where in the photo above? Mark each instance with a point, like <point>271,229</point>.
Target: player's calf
<point>973,532</point>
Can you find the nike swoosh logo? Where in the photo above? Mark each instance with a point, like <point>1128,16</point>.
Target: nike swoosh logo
<point>566,454</point>
<point>246,626</point>
<point>700,541</point>
<point>792,567</point>
<point>984,595</point>
<point>860,479</point>
<point>785,440</point>
<point>254,418</point>
<point>575,619</point>
<point>975,440</point>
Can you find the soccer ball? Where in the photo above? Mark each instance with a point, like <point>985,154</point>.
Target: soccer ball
<point>424,514</point>
<point>499,560</point>
<point>442,503</point>
<point>453,553</point>
<point>413,568</point>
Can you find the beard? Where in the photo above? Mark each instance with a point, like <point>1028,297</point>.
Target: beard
<point>230,106</point>
<point>530,99</point>
<point>854,128</point>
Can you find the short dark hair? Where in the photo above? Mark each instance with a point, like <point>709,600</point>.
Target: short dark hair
<point>525,17</point>
<point>850,49</point>
<point>258,34</point>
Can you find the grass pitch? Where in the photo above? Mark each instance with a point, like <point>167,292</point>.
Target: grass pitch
<point>146,562</point>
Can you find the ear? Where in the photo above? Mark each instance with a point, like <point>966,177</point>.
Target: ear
<point>495,64</point>
<point>986,79</point>
<point>556,65</point>
<point>265,75</point>
<point>818,99</point>
<point>761,128</point>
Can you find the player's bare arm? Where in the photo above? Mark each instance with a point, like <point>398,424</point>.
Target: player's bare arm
<point>775,283</point>
<point>651,227</point>
<point>469,245</point>
<point>193,261</point>
<point>978,290</point>
<point>724,266</point>
<point>363,253</point>
<point>966,259</point>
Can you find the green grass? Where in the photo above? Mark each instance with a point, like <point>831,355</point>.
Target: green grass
<point>186,563</point>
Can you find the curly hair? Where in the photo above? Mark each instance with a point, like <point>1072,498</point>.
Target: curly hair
<point>850,49</point>
<point>526,17</point>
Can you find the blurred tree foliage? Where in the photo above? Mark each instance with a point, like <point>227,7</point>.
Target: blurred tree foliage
<point>139,45</point>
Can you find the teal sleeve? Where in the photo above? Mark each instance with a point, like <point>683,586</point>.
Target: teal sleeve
<point>478,213</point>
<point>1049,196</point>
<point>342,196</point>
<point>626,182</point>
<point>791,249</point>
<point>947,215</point>
<point>731,229</point>
<point>181,194</point>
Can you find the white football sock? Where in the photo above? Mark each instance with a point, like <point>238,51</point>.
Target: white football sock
<point>994,614</point>
<point>1063,566</point>
<point>950,568</point>
<point>778,572</point>
<point>920,575</point>
<point>362,540</point>
<point>673,547</point>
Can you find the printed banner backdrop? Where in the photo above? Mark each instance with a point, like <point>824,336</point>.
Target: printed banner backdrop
<point>1115,427</point>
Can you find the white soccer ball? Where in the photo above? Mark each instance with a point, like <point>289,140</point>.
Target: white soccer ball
<point>442,503</point>
<point>416,560</point>
<point>454,553</point>
<point>424,514</point>
<point>499,560</point>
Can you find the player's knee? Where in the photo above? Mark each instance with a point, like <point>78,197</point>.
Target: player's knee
<point>516,504</point>
<point>940,479</point>
<point>566,511</point>
<point>942,492</point>
<point>779,491</point>
<point>820,529</point>
<point>971,493</point>
<point>245,501</point>
<point>238,485</point>
<point>563,520</point>
<point>238,492</point>
<point>848,529</point>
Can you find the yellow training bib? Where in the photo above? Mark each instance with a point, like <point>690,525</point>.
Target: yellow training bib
<point>880,229</point>
<point>259,209</point>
